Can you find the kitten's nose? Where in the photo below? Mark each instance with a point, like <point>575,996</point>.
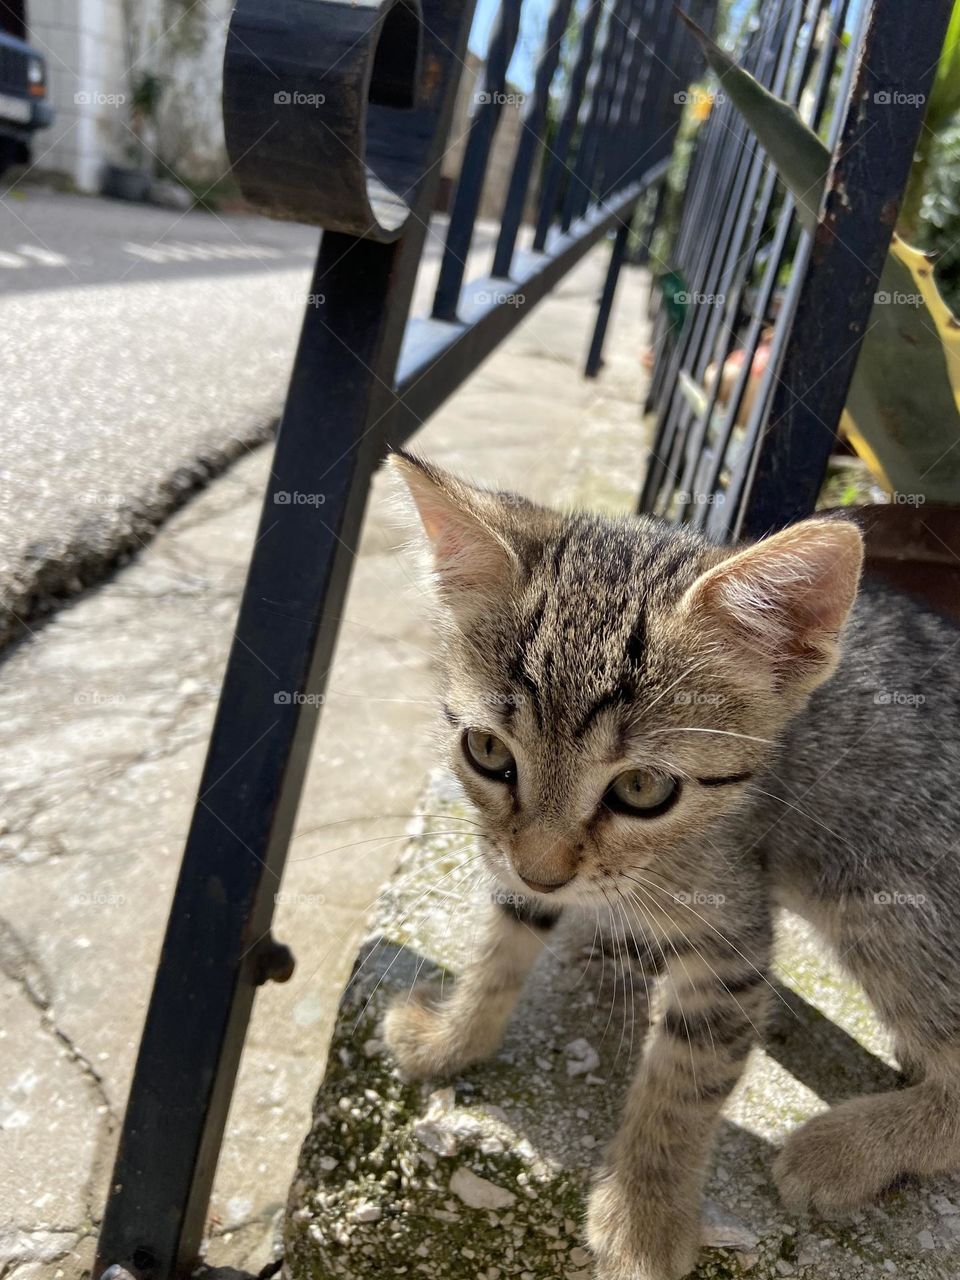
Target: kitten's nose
<point>539,886</point>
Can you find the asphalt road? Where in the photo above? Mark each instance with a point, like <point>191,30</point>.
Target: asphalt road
<point>141,350</point>
<point>53,241</point>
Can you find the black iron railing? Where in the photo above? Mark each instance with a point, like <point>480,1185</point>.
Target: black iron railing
<point>758,285</point>
<point>337,113</point>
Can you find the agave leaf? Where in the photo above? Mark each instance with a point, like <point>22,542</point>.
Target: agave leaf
<point>903,409</point>
<point>945,96</point>
<point>943,105</point>
<point>904,399</point>
<point>800,157</point>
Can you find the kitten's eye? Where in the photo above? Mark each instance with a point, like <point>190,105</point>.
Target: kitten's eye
<point>489,755</point>
<point>642,793</point>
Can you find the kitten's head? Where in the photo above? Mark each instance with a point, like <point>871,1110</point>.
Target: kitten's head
<point>611,685</point>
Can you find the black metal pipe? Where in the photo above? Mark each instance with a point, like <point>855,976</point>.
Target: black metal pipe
<point>531,136</point>
<point>556,161</point>
<point>476,158</point>
<point>618,252</point>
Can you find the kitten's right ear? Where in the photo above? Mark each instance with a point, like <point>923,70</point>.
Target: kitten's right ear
<point>471,555</point>
<point>781,604</point>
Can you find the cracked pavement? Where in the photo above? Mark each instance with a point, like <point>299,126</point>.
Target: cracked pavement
<point>105,710</point>
<point>143,377</point>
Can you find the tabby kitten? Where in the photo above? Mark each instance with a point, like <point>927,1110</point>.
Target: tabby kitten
<point>641,717</point>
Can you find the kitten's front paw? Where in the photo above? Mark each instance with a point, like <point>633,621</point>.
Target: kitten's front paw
<point>639,1238</point>
<point>427,1038</point>
<point>828,1166</point>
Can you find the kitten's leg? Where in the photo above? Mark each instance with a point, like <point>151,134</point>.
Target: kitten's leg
<point>429,1036</point>
<point>643,1219</point>
<point>850,1154</point>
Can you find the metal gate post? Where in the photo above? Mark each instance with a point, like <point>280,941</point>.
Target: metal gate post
<point>336,114</point>
<point>617,254</point>
<point>218,946</point>
<point>868,176</point>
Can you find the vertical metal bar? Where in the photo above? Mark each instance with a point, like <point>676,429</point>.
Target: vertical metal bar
<point>531,133</point>
<point>627,115</point>
<point>625,69</point>
<point>726,245</point>
<point>557,160</point>
<point>476,157</point>
<point>617,255</point>
<point>722,520</point>
<point>771,272</point>
<point>734,157</point>
<point>720,330</point>
<point>600,93</point>
<point>626,151</point>
<point>720,134</point>
<point>217,947</point>
<point>867,180</point>
<point>652,221</point>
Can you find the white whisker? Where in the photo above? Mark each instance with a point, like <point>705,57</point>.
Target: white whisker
<point>726,733</point>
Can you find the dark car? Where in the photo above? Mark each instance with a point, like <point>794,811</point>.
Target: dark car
<point>23,98</point>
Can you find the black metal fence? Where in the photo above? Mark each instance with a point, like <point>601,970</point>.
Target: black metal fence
<point>782,311</point>
<point>338,114</point>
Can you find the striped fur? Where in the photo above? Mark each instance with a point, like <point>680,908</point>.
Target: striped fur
<point>590,647</point>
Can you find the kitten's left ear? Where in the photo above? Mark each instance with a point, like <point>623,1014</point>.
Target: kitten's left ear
<point>472,556</point>
<point>780,605</point>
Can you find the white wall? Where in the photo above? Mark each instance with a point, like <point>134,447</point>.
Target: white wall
<point>184,44</point>
<point>95,49</point>
<point>82,41</point>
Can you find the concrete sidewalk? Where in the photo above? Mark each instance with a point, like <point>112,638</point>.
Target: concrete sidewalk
<point>104,718</point>
<point>485,1175</point>
<point>143,377</point>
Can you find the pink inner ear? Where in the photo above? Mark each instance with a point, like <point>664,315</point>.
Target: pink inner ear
<point>466,554</point>
<point>469,557</point>
<point>790,592</point>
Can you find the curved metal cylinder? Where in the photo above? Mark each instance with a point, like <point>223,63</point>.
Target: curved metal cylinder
<point>327,118</point>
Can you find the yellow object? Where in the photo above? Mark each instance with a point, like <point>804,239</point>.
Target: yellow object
<point>928,298</point>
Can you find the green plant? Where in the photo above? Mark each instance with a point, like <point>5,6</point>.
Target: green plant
<point>146,91</point>
<point>940,115</point>
<point>902,410</point>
